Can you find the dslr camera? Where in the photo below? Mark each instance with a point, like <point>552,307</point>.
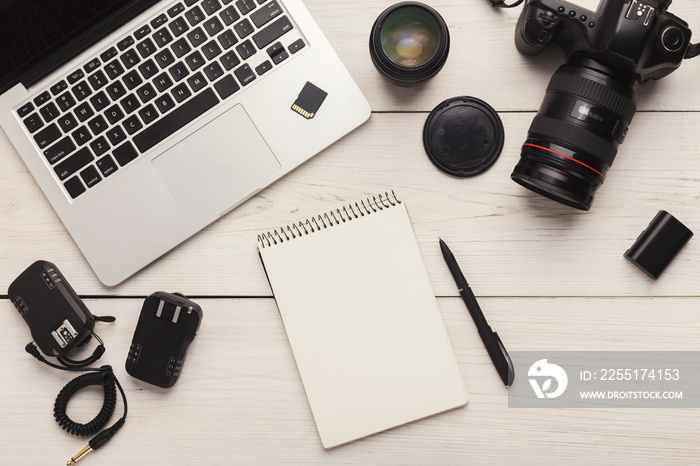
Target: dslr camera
<point>612,46</point>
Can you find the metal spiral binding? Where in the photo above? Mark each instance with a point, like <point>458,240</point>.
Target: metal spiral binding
<point>335,217</point>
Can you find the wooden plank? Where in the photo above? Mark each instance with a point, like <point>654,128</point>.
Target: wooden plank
<point>483,61</point>
<point>509,241</point>
<point>239,399</point>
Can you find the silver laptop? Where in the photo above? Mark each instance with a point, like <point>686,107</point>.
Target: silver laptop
<point>143,120</point>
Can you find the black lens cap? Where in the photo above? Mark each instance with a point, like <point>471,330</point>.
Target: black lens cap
<point>463,136</point>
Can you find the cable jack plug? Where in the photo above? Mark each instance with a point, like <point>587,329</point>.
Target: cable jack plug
<point>96,442</point>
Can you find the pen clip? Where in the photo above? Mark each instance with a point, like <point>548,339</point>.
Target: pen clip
<point>511,368</point>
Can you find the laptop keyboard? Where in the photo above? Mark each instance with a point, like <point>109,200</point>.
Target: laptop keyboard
<point>154,82</point>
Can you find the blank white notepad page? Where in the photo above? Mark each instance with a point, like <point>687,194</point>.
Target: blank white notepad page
<point>363,323</point>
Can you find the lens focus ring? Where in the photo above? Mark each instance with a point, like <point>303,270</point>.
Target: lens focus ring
<point>594,92</point>
<point>574,137</point>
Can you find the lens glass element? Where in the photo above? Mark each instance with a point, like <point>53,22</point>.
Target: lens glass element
<point>410,36</point>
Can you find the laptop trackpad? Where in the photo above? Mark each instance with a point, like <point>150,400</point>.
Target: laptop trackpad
<point>214,166</point>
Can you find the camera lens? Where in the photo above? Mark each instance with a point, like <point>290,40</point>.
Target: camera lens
<point>409,43</point>
<point>573,140</point>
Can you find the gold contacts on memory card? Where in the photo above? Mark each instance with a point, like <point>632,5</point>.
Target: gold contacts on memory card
<point>309,100</point>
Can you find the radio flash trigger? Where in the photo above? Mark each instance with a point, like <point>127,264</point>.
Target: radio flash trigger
<point>309,100</point>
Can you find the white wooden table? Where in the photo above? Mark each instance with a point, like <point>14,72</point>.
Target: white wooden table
<point>548,278</point>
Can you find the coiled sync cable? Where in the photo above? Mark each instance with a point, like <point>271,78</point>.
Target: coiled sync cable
<point>102,376</point>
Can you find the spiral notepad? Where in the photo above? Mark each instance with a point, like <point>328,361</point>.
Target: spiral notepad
<point>362,319</point>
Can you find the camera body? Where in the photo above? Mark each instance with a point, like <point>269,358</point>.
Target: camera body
<point>612,46</point>
<point>639,37</point>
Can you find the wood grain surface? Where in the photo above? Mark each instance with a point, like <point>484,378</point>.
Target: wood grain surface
<point>548,278</point>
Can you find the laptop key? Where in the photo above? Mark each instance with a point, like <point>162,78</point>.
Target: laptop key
<point>67,122</point>
<point>106,165</point>
<point>230,60</point>
<point>130,103</point>
<point>190,2</point>
<point>99,101</point>
<point>266,14</point>
<point>74,187</point>
<point>83,112</point>
<point>176,10</point>
<point>245,6</point>
<point>49,112</point>
<point>181,47</point>
<point>227,39</point>
<point>116,135</point>
<point>47,135</point>
<point>125,43</point>
<point>179,27</point>
<point>295,46</point>
<point>132,124</point>
<point>229,15</point>
<point>90,176</point>
<point>273,32</point>
<point>213,26</point>
<point>246,49</point>
<point>148,114</point>
<point>263,68</point>
<point>197,82</point>
<point>164,58</point>
<point>33,122</point>
<point>146,48</point>
<point>226,86</point>
<point>280,57</point>
<point>99,146</point>
<point>114,114</point>
<point>197,37</point>
<point>159,21</point>
<point>195,60</point>
<point>181,92</point>
<point>109,54</point>
<point>213,71</point>
<point>114,69</point>
<point>132,80</point>
<point>97,80</point>
<point>244,74</point>
<point>24,110</point>
<point>162,37</point>
<point>162,82</point>
<point>243,28</point>
<point>211,6</point>
<point>81,135</point>
<point>125,153</point>
<point>148,69</point>
<point>97,125</point>
<point>179,71</point>
<point>81,90</point>
<point>92,65</point>
<point>130,58</point>
<point>42,98</point>
<point>211,50</point>
<point>116,90</point>
<point>59,150</point>
<point>75,76</point>
<point>146,92</point>
<point>164,103</point>
<point>175,120</point>
<point>142,32</point>
<point>73,163</point>
<point>59,87</point>
<point>195,16</point>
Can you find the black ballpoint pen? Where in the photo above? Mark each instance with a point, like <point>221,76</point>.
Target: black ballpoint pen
<point>492,342</point>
